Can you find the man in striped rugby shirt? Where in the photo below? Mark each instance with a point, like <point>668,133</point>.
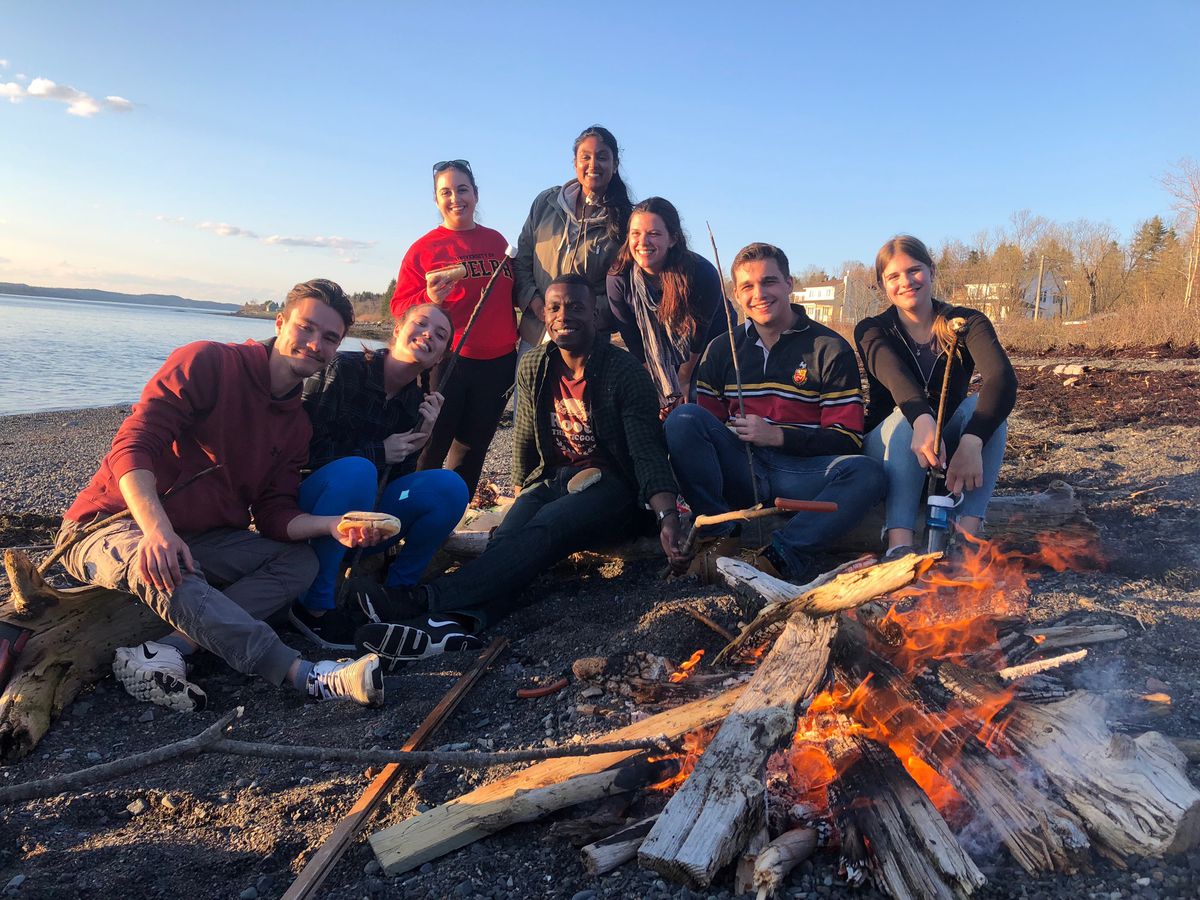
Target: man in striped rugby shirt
<point>803,422</point>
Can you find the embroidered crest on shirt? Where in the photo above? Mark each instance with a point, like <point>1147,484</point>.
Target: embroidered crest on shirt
<point>800,375</point>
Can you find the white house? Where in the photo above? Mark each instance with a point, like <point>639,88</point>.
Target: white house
<point>822,302</point>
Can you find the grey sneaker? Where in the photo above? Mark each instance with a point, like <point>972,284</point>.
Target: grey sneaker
<point>156,673</point>
<point>360,680</point>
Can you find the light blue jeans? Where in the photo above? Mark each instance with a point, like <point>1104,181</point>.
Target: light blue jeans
<point>891,443</point>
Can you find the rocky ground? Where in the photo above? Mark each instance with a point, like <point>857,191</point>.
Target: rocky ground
<point>214,826</point>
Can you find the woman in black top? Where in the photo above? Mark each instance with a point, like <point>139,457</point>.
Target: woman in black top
<point>666,300</point>
<point>904,352</point>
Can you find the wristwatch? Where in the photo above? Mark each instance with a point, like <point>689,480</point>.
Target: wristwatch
<point>661,514</point>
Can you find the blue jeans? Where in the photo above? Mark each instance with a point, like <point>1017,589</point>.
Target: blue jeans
<point>710,463</point>
<point>891,443</point>
<point>428,505</point>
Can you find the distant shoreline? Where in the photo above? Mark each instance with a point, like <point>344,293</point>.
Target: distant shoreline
<point>91,295</point>
<point>376,331</point>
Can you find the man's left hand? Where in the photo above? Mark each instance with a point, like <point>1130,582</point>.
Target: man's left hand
<point>757,431</point>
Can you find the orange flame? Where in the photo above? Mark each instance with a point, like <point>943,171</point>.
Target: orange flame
<point>694,743</point>
<point>686,667</point>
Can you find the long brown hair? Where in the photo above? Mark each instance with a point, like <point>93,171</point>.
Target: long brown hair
<point>915,247</point>
<point>678,271</point>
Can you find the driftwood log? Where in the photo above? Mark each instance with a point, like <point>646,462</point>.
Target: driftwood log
<point>606,854</point>
<point>75,632</point>
<point>1133,794</point>
<point>481,812</point>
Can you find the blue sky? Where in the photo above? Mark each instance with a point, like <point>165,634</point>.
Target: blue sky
<point>247,146</point>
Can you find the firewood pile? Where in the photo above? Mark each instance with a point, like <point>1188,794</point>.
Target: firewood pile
<point>899,718</point>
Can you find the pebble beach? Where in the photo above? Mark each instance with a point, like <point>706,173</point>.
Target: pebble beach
<point>47,458</point>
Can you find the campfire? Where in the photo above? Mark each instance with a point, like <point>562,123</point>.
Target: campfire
<point>899,717</point>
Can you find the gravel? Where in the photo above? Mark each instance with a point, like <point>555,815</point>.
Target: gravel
<point>215,825</point>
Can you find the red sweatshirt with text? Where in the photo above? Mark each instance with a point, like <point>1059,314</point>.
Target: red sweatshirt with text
<point>481,250</point>
<point>210,403</point>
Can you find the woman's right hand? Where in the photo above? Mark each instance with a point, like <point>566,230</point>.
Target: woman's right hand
<point>398,447</point>
<point>438,288</point>
<point>923,447</point>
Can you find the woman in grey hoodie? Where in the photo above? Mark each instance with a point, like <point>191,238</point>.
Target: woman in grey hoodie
<point>577,227</point>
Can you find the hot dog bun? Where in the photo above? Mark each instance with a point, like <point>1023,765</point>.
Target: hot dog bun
<point>449,273</point>
<point>388,526</point>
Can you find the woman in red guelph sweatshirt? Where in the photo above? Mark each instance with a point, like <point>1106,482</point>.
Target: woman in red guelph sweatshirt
<point>474,397</point>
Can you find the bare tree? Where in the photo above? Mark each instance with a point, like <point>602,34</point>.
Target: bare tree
<point>1182,182</point>
<point>1093,248</point>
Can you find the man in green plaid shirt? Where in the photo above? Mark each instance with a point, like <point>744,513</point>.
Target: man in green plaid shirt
<point>587,414</point>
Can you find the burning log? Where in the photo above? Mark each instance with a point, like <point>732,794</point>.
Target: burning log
<point>481,812</point>
<point>1132,793</point>
<point>829,593</point>
<point>606,854</point>
<point>910,849</point>
<point>1040,834</point>
<point>710,818</point>
<point>708,821</point>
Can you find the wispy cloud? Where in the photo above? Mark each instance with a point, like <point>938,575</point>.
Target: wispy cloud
<point>79,103</point>
<point>345,248</point>
<point>3,63</point>
<point>334,243</point>
<point>224,229</point>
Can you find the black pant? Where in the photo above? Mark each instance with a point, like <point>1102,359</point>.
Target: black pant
<point>546,524</point>
<point>474,399</point>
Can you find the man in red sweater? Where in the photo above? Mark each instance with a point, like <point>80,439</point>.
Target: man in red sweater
<point>191,557</point>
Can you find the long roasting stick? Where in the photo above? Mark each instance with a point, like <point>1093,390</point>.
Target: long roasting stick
<point>737,366</point>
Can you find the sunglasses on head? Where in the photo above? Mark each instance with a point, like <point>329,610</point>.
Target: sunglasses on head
<point>451,164</point>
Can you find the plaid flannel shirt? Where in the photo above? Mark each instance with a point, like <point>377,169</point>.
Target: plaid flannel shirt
<point>351,414</point>
<point>624,408</point>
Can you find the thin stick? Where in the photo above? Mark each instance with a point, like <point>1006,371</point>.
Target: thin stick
<point>737,366</point>
<point>715,626</point>
<point>456,759</point>
<point>323,861</point>
<point>73,781</point>
<point>115,517</point>
<point>1012,673</point>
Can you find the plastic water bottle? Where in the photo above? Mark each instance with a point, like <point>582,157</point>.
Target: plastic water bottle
<point>937,522</point>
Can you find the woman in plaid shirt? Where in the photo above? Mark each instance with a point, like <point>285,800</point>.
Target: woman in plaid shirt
<point>367,412</point>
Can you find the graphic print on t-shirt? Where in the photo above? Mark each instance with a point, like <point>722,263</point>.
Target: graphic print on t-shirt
<point>571,423</point>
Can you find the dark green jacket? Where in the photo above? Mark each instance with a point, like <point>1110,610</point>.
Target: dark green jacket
<point>624,408</point>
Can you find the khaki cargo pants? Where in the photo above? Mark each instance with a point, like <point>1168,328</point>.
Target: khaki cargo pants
<point>241,578</point>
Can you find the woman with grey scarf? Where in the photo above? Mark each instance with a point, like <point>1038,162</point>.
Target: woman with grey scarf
<point>665,299</point>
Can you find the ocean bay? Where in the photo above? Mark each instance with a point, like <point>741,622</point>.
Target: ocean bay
<point>68,354</point>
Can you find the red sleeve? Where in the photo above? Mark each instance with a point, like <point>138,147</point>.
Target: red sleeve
<point>276,506</point>
<point>182,390</point>
<point>410,282</point>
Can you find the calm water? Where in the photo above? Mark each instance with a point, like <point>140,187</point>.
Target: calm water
<point>66,354</point>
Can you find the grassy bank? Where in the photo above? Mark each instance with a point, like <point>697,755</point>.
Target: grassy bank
<point>1161,327</point>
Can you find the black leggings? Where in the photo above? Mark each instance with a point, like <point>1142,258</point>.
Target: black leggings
<point>474,399</point>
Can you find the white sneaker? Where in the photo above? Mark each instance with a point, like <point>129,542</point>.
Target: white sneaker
<point>360,680</point>
<point>156,673</point>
